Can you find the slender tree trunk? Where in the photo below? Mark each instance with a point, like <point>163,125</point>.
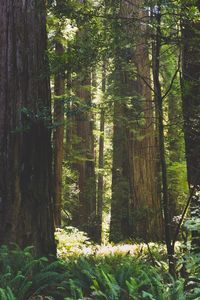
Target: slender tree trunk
<point>59,90</point>
<point>84,162</point>
<point>159,104</point>
<point>69,117</point>
<point>26,208</point>
<point>100,193</point>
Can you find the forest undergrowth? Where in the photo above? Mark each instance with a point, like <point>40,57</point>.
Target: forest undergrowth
<point>87,271</point>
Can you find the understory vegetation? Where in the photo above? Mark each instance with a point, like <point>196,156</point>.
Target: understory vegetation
<point>87,271</point>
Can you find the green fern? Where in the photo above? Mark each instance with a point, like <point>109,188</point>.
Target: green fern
<point>27,276</point>
<point>108,277</point>
<point>7,294</point>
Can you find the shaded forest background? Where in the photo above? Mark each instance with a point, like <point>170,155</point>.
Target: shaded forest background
<point>125,91</point>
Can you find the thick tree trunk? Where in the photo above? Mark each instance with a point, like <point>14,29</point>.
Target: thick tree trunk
<point>191,108</point>
<point>134,142</point>
<point>59,90</point>
<point>191,98</point>
<point>146,198</point>
<point>26,215</point>
<point>122,165</point>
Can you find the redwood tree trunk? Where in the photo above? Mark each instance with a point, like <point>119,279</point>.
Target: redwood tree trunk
<point>191,98</point>
<point>147,215</point>
<point>25,140</point>
<point>84,161</point>
<point>191,108</point>
<point>59,90</point>
<point>121,164</point>
<point>156,47</point>
<point>135,208</point>
<point>100,191</point>
<point>121,172</point>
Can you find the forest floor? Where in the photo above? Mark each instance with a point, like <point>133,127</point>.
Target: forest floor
<point>100,272</point>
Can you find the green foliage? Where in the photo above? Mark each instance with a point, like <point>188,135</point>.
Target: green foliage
<point>88,39</point>
<point>71,241</point>
<point>178,187</point>
<point>190,264</point>
<point>69,192</point>
<point>6,294</point>
<point>120,277</point>
<point>24,277</point>
<point>31,118</point>
<point>73,24</point>
<point>124,271</point>
<point>190,259</point>
<point>108,276</point>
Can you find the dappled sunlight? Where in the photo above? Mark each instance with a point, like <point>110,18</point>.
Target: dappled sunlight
<point>72,242</point>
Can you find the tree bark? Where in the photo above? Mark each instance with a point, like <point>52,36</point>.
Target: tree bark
<point>190,82</point>
<point>121,193</point>
<point>84,161</point>
<point>59,90</point>
<point>135,211</point>
<point>159,105</point>
<point>147,204</point>
<point>26,208</point>
<point>100,191</point>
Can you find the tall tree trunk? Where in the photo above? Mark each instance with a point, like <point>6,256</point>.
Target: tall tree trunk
<point>59,90</point>
<point>26,208</point>
<point>69,121</point>
<point>147,204</point>
<point>84,162</point>
<point>121,193</point>
<point>159,105</point>
<point>100,191</point>
<point>191,107</point>
<point>134,143</point>
<point>122,165</point>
